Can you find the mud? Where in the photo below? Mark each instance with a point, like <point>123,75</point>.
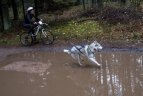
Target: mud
<point>41,72</point>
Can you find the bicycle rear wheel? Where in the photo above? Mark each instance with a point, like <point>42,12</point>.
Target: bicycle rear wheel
<point>25,39</point>
<point>47,37</point>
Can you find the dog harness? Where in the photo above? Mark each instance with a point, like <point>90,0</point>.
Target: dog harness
<point>79,49</point>
<point>90,51</point>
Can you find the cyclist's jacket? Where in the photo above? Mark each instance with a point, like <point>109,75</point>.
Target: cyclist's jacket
<point>29,19</point>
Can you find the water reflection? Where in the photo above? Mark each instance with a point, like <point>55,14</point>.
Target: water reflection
<point>121,74</point>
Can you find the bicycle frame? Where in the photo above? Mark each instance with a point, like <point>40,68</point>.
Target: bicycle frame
<point>40,28</point>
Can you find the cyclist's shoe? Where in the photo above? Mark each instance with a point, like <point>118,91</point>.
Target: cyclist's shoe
<point>34,40</point>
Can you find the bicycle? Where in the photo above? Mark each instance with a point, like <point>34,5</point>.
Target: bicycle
<point>46,36</point>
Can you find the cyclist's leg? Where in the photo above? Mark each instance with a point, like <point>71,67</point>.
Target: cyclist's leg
<point>31,30</point>
<point>29,27</point>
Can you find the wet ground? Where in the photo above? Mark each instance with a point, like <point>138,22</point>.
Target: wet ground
<point>43,72</point>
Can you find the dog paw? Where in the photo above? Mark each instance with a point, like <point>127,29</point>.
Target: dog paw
<point>80,64</point>
<point>98,65</point>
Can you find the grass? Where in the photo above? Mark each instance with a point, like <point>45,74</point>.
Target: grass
<point>77,30</point>
<point>9,39</point>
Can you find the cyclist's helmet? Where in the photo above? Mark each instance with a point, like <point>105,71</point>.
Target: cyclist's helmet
<point>29,9</point>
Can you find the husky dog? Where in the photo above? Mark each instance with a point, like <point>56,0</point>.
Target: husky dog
<point>87,50</point>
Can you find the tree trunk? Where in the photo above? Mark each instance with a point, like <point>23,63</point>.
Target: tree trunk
<point>123,2</point>
<point>78,2</point>
<point>1,15</point>
<point>36,8</point>
<point>5,15</point>
<point>15,11</point>
<point>23,7</point>
<point>83,2</point>
<point>92,3</point>
<point>100,4</point>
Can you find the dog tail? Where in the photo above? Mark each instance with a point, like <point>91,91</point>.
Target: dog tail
<point>66,51</point>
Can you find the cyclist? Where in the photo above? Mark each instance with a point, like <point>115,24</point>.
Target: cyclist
<point>30,22</point>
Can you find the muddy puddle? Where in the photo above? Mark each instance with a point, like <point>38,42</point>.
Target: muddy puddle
<point>46,73</point>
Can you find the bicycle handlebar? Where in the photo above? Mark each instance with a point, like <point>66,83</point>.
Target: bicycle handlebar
<point>45,24</point>
<point>41,23</point>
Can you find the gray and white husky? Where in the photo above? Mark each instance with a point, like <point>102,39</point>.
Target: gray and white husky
<point>87,50</point>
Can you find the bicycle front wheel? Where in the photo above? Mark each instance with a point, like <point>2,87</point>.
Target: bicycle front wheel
<point>25,39</point>
<point>47,37</point>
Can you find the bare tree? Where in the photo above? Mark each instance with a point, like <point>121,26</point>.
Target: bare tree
<point>83,3</point>
<point>5,15</point>
<point>123,2</point>
<point>15,11</point>
<point>36,7</point>
<point>1,15</point>
<point>23,7</point>
<point>100,4</point>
